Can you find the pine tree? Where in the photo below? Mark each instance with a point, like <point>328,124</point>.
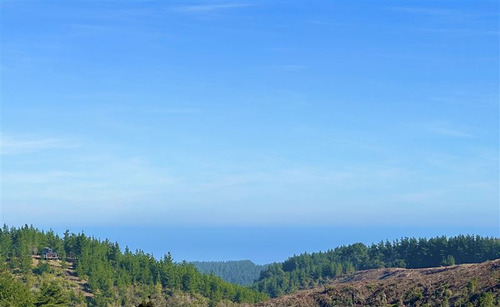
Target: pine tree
<point>51,294</point>
<point>13,293</point>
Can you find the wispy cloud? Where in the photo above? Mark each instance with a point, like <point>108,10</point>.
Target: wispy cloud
<point>292,67</point>
<point>204,8</point>
<point>458,31</point>
<point>169,110</point>
<point>324,23</point>
<point>446,129</point>
<point>105,181</point>
<point>424,10</point>
<point>450,14</point>
<point>462,98</point>
<point>10,145</point>
<point>300,179</point>
<point>37,178</point>
<point>91,27</point>
<point>443,128</point>
<point>416,197</point>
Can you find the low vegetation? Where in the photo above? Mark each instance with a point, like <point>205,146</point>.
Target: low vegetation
<point>309,270</point>
<point>84,271</point>
<point>467,285</point>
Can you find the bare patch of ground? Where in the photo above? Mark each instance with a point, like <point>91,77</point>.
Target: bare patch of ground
<point>69,274</point>
<point>443,286</point>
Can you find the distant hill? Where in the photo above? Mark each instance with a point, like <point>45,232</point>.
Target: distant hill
<point>243,272</point>
<point>458,285</point>
<point>309,270</point>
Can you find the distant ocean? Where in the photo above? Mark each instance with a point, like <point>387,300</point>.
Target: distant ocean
<point>259,244</point>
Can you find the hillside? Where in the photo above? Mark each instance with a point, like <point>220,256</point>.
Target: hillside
<point>84,271</point>
<point>309,270</point>
<point>98,273</point>
<point>243,272</point>
<point>458,285</point>
<point>66,273</point>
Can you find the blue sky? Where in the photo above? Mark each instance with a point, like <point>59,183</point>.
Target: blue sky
<point>250,114</point>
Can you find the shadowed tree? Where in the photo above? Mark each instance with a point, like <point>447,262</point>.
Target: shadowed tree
<point>51,294</point>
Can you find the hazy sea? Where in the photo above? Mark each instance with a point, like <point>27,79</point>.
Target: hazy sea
<point>259,244</point>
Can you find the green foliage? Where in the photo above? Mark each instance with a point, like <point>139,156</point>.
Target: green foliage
<point>487,300</point>
<point>307,270</point>
<point>110,272</point>
<point>448,260</point>
<point>13,293</point>
<point>413,296</point>
<point>52,295</point>
<point>129,277</point>
<point>43,267</point>
<point>472,285</point>
<point>243,272</point>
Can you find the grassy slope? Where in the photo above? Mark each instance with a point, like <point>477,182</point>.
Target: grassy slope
<point>450,286</point>
<point>72,283</point>
<point>380,287</point>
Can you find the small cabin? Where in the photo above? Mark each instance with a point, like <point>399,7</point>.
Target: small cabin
<point>49,254</point>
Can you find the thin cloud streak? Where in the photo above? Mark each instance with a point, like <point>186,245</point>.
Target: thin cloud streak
<point>38,178</point>
<point>444,129</point>
<point>458,31</point>
<point>427,11</point>
<point>17,145</point>
<point>293,67</point>
<point>105,181</point>
<point>209,7</point>
<point>422,10</point>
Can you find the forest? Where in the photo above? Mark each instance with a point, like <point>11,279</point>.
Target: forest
<point>113,277</point>
<point>309,270</point>
<point>243,272</point>
<point>93,272</point>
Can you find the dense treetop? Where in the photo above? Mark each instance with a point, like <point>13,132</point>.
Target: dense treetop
<point>117,277</point>
<point>110,272</point>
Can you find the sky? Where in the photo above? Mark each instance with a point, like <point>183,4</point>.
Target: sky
<point>340,121</point>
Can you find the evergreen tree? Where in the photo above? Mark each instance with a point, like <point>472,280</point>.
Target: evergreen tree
<point>13,293</point>
<point>52,295</point>
<point>111,274</point>
<point>307,270</point>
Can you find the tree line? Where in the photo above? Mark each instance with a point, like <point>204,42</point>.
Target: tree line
<point>117,277</point>
<point>243,272</point>
<point>309,270</point>
<point>111,273</point>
